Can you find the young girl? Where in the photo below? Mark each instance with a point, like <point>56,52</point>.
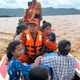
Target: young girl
<point>46,29</point>
<point>14,51</point>
<point>20,29</point>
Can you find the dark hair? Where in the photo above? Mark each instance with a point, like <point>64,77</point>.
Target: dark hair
<point>38,73</point>
<point>64,47</point>
<point>45,24</point>
<point>29,3</point>
<point>12,47</point>
<point>20,28</point>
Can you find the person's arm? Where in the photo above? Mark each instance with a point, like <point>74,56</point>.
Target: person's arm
<point>33,14</point>
<point>15,35</point>
<point>40,8</point>
<point>48,61</point>
<point>49,44</point>
<point>37,62</point>
<point>41,52</point>
<point>41,14</point>
<point>24,15</point>
<point>23,39</point>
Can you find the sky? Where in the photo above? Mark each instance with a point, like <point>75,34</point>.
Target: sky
<point>45,3</point>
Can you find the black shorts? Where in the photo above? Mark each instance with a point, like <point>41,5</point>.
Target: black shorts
<point>37,16</point>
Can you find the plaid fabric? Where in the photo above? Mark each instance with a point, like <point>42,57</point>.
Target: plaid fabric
<point>63,66</point>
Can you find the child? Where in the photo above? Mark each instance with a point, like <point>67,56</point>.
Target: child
<point>46,29</point>
<point>14,51</point>
<point>20,30</point>
<point>39,73</point>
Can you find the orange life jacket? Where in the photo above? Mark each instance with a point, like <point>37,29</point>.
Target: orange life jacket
<point>33,47</point>
<point>28,14</point>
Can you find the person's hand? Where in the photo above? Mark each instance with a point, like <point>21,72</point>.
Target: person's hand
<point>27,22</point>
<point>25,63</point>
<point>58,53</point>
<point>6,63</point>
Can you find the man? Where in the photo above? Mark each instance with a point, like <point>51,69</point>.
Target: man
<point>38,9</point>
<point>29,13</point>
<point>63,66</point>
<point>33,40</point>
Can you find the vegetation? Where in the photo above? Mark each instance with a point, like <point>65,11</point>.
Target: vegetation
<point>5,16</point>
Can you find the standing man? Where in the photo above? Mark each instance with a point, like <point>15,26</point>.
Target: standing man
<point>38,9</point>
<point>33,39</point>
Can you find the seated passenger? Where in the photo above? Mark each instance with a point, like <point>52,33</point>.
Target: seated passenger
<point>39,73</point>
<point>14,51</point>
<point>63,66</point>
<point>26,73</point>
<point>46,29</point>
<point>20,30</point>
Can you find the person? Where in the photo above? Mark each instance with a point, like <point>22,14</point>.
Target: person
<point>29,13</point>
<point>63,66</point>
<point>33,40</point>
<point>20,29</point>
<point>15,67</point>
<point>46,29</point>
<point>31,65</point>
<point>39,73</point>
<point>38,9</point>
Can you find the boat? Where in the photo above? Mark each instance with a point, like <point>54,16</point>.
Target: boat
<point>5,76</point>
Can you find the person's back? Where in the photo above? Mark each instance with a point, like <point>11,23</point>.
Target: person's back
<point>63,66</point>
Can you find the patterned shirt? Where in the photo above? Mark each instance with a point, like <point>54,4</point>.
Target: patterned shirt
<point>63,66</point>
<point>15,67</point>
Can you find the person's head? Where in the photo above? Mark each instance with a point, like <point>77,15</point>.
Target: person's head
<point>39,73</point>
<point>64,47</point>
<point>34,1</point>
<point>21,28</point>
<point>46,27</point>
<point>33,25</point>
<point>14,49</point>
<point>30,5</point>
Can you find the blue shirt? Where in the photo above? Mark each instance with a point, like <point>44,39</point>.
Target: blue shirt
<point>50,70</point>
<point>17,37</point>
<point>15,67</point>
<point>63,66</point>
